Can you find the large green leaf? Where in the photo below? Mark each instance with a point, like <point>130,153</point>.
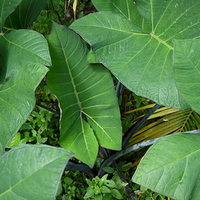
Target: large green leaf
<point>26,52</point>
<point>187,70</point>
<point>141,60</point>
<point>90,113</point>
<point>6,8</point>
<point>171,166</point>
<point>32,172</point>
<point>25,14</point>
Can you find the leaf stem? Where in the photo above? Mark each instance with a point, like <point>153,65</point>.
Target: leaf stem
<point>119,89</point>
<point>132,130</point>
<point>47,108</point>
<point>119,154</point>
<point>79,167</point>
<point>123,179</point>
<point>121,176</point>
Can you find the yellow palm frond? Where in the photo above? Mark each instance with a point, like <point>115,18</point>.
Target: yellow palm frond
<point>165,121</point>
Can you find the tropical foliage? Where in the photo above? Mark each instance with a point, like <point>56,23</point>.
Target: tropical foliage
<point>148,49</point>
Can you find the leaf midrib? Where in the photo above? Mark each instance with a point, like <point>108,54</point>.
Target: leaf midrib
<point>117,8</point>
<point>132,33</point>
<point>70,74</point>
<point>87,149</point>
<point>158,23</point>
<point>77,97</point>
<point>162,41</point>
<point>100,128</point>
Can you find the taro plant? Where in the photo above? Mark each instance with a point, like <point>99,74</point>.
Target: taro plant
<point>90,114</point>
<point>150,46</point>
<point>87,100</point>
<point>29,171</point>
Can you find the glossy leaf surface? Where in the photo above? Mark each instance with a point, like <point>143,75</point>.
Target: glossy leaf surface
<point>170,167</point>
<point>26,53</point>
<point>7,7</point>
<point>187,70</point>
<point>90,113</point>
<point>143,60</point>
<point>25,14</point>
<point>32,172</point>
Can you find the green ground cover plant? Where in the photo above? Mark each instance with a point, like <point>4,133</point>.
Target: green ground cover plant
<point>150,47</point>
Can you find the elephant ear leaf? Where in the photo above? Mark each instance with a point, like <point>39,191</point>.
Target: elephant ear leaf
<point>89,109</point>
<point>168,166</point>
<point>24,53</point>
<point>32,172</point>
<point>141,58</point>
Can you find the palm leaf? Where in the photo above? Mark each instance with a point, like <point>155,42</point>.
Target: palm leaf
<point>165,121</point>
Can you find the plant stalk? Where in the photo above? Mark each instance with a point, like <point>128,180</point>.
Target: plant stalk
<point>47,108</point>
<point>79,167</point>
<point>137,126</point>
<point>121,153</point>
<point>119,90</point>
<point>121,176</point>
<point>123,179</point>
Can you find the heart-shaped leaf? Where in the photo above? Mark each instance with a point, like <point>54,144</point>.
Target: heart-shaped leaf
<point>143,60</point>
<point>25,14</point>
<point>90,113</point>
<point>187,70</point>
<point>32,172</point>
<point>25,53</point>
<point>7,7</point>
<point>170,167</point>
